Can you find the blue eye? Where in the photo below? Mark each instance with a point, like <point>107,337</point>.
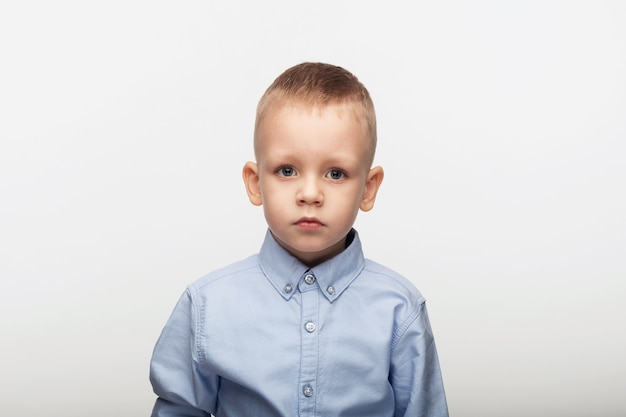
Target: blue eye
<point>335,174</point>
<point>286,171</point>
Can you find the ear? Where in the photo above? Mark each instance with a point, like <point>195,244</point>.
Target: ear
<point>374,179</point>
<point>251,180</point>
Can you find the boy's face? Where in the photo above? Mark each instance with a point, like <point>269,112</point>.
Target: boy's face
<point>312,176</point>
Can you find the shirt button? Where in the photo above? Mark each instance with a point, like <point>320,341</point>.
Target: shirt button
<point>307,391</point>
<point>330,290</point>
<point>309,279</point>
<point>310,327</point>
<point>288,288</point>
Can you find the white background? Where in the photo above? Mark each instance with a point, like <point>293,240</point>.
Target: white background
<point>124,126</point>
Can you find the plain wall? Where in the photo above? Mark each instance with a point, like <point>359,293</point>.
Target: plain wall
<point>124,126</point>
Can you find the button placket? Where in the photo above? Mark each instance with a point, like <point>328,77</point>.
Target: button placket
<point>309,346</point>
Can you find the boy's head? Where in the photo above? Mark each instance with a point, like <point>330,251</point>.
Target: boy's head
<point>314,85</point>
<point>314,141</point>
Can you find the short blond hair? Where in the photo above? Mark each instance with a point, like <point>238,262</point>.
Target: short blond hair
<point>317,84</point>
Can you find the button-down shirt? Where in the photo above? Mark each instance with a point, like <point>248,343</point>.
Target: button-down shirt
<point>270,337</point>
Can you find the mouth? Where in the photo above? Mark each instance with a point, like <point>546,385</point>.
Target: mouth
<point>309,223</point>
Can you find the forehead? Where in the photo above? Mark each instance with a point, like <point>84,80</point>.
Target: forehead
<point>333,127</point>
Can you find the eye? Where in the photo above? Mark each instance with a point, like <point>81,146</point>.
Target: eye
<point>335,174</point>
<point>286,171</point>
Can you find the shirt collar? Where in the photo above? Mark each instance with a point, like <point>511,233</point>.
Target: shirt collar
<point>285,272</point>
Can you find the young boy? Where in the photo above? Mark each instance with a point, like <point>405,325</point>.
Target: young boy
<point>308,326</point>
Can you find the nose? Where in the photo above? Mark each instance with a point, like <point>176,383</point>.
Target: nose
<point>310,192</point>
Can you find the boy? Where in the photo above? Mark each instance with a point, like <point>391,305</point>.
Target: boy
<point>308,326</point>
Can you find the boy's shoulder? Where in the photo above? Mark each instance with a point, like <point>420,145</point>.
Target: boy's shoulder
<point>244,268</point>
<point>392,279</point>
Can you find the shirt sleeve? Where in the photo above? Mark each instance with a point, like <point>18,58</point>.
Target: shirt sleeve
<point>182,386</point>
<point>415,372</point>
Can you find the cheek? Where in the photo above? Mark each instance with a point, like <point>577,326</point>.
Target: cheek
<point>275,199</point>
<point>270,191</point>
<point>349,200</point>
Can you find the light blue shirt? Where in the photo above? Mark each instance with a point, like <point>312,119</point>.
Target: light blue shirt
<point>270,337</point>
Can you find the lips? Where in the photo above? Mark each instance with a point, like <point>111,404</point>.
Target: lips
<point>309,223</point>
